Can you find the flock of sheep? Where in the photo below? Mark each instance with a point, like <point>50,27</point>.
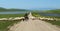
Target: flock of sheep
<point>48,19</point>
<point>11,18</point>
<point>21,18</point>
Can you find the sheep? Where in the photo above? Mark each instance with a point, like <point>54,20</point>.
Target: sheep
<point>3,19</point>
<point>18,18</point>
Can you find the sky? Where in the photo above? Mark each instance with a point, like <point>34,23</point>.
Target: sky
<point>29,4</point>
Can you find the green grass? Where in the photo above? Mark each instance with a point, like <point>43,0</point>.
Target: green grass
<point>5,24</point>
<point>54,22</point>
<point>10,15</point>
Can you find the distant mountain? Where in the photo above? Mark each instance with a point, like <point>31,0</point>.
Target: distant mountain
<point>12,9</point>
<point>43,8</point>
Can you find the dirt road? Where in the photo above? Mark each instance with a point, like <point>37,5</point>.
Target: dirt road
<point>33,25</point>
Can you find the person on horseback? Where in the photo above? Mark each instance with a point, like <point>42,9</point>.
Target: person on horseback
<point>26,16</point>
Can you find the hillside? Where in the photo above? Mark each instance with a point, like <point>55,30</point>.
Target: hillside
<point>53,11</point>
<point>4,9</point>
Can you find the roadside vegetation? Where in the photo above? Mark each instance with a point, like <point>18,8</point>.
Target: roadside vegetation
<point>4,25</point>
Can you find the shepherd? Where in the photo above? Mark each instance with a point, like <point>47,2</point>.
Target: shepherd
<point>26,16</point>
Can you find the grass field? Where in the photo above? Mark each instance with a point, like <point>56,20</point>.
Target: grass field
<point>10,15</point>
<point>5,24</point>
<point>54,22</point>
